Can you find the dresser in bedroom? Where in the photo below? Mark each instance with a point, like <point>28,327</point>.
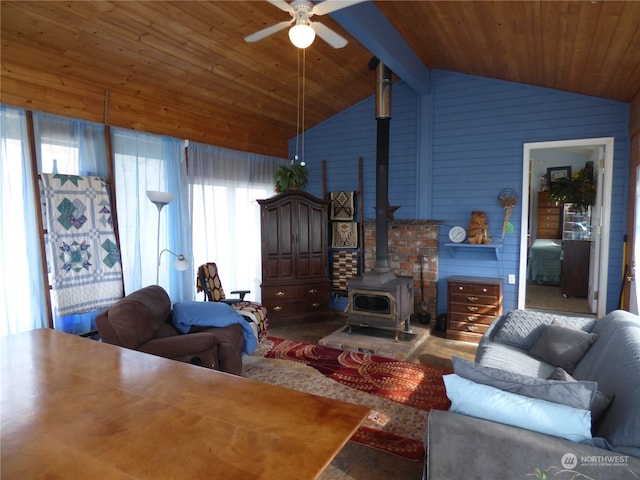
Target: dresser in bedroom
<point>548,219</point>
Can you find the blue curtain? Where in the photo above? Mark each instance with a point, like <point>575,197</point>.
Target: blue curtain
<point>21,296</point>
<point>149,162</point>
<point>70,146</point>
<point>225,223</point>
<point>214,211</point>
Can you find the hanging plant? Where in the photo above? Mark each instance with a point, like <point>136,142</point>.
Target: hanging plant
<point>290,177</point>
<point>579,189</point>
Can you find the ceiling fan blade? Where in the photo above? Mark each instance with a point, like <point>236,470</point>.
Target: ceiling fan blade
<point>265,32</point>
<point>328,35</point>
<point>329,6</point>
<point>282,5</point>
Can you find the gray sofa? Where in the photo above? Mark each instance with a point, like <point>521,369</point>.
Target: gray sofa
<point>465,446</point>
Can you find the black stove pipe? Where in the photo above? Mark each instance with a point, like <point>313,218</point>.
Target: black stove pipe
<point>383,118</point>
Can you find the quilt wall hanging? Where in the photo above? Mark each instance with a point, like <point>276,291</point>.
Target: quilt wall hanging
<point>84,264</point>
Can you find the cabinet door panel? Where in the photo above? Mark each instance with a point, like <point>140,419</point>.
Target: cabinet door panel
<point>318,233</point>
<point>302,230</point>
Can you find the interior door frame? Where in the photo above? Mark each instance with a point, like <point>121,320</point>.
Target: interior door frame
<point>603,228</point>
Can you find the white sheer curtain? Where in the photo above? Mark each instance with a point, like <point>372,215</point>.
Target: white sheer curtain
<point>21,292</point>
<point>225,216</point>
<point>76,147</point>
<point>69,146</point>
<point>63,145</point>
<point>214,216</point>
<point>151,162</point>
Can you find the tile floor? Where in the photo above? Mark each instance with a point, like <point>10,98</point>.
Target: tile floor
<point>357,462</point>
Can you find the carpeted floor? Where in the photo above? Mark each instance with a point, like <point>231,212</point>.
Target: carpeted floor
<point>400,394</point>
<point>356,461</point>
<point>547,297</point>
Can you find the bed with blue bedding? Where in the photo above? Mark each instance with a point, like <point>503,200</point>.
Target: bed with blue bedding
<point>544,262</point>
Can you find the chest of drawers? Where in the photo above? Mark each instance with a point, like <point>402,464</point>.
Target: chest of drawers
<point>472,304</point>
<point>548,217</point>
<point>290,302</point>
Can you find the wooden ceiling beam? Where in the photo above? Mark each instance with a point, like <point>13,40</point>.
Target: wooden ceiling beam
<point>367,24</point>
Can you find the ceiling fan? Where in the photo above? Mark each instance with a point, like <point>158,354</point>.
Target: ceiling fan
<point>304,31</point>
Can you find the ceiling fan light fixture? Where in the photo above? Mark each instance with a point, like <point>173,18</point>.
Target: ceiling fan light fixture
<point>302,35</point>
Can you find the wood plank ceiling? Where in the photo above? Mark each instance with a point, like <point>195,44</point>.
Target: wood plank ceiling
<point>183,69</point>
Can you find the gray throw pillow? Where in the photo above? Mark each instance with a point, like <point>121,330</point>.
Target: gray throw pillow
<point>600,402</point>
<point>572,393</point>
<point>522,328</point>
<point>562,346</point>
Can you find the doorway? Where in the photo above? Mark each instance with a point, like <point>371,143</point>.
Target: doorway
<point>567,156</point>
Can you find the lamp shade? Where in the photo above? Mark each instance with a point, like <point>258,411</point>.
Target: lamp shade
<point>181,263</point>
<point>302,35</point>
<point>160,198</point>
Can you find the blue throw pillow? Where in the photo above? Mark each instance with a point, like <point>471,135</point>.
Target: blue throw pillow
<point>483,401</point>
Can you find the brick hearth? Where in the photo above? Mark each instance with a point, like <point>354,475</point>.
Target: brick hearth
<point>408,241</point>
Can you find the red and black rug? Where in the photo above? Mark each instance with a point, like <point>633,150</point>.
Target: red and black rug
<point>400,394</point>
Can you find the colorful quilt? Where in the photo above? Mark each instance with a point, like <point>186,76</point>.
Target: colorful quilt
<point>84,264</point>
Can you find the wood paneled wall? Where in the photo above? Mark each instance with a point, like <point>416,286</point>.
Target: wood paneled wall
<point>32,89</point>
<point>479,128</point>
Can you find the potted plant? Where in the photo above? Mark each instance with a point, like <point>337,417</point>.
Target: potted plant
<point>290,177</point>
<point>579,189</point>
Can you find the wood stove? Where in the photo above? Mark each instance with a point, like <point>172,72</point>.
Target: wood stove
<point>379,298</point>
<point>387,305</point>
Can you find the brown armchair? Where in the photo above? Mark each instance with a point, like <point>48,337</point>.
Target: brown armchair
<point>142,321</point>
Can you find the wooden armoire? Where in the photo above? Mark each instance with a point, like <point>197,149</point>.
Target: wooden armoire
<point>295,277</point>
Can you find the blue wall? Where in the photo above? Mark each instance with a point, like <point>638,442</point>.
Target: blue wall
<point>477,128</point>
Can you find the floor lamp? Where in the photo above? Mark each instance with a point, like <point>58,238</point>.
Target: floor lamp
<point>160,199</point>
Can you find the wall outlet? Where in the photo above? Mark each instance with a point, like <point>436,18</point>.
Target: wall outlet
<point>512,279</point>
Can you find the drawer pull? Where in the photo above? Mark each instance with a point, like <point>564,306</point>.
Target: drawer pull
<point>471,318</point>
<point>313,291</point>
<point>471,328</point>
<point>277,308</point>
<point>472,308</point>
<point>315,304</point>
<point>472,299</point>
<point>280,294</point>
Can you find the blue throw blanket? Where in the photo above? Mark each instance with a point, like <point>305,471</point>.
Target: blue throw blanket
<point>212,314</point>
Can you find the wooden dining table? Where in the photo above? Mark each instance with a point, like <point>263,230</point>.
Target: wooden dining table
<point>76,408</point>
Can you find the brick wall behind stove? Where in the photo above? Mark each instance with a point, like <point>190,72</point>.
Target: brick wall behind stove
<point>409,240</point>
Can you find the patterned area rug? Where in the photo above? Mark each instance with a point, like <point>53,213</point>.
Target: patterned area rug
<point>400,394</point>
